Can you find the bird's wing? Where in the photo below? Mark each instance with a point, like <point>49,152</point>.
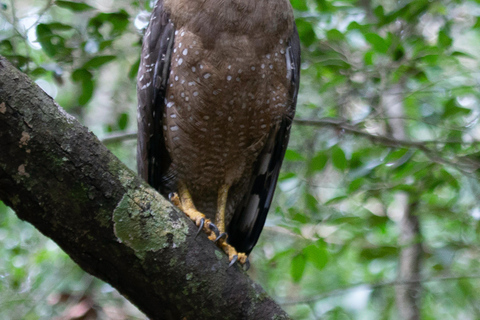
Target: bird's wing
<point>249,218</point>
<point>153,160</point>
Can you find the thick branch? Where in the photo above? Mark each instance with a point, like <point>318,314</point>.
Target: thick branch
<point>56,174</point>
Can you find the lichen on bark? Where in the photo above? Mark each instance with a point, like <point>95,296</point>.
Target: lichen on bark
<point>143,221</point>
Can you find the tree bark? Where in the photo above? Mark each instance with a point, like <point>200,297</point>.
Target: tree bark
<point>56,175</point>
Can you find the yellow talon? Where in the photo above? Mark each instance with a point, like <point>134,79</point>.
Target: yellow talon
<point>183,200</point>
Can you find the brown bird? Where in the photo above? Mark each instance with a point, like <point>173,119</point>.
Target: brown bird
<point>217,89</point>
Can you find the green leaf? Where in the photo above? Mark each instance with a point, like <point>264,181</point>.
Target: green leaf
<point>123,121</point>
<point>317,255</point>
<point>336,200</point>
<point>297,267</point>
<point>311,202</point>
<point>462,55</point>
<point>85,78</point>
<point>74,6</point>
<point>379,252</point>
<point>354,25</point>
<point>404,187</point>
<point>477,23</point>
<point>134,69</point>
<point>379,12</point>
<point>300,217</point>
<point>81,75</point>
<point>339,219</point>
<point>454,135</point>
<point>449,179</point>
<point>395,155</point>
<point>44,37</point>
<point>87,92</point>
<point>282,255</point>
<point>374,221</point>
<point>410,12</point>
<point>338,158</point>
<point>398,54</point>
<point>52,44</point>
<point>118,21</point>
<point>291,155</point>
<point>37,72</point>
<point>430,59</point>
<point>97,62</point>
<point>356,184</point>
<point>318,162</point>
<point>105,44</point>
<point>444,40</point>
<point>6,47</point>
<point>368,58</point>
<point>335,35</point>
<point>286,175</point>
<point>305,31</point>
<point>451,109</point>
<point>59,26</point>
<point>300,5</point>
<point>378,43</point>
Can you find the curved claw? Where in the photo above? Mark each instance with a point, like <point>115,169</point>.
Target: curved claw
<point>235,258</point>
<point>202,222</point>
<point>214,228</point>
<point>247,264</point>
<point>221,236</point>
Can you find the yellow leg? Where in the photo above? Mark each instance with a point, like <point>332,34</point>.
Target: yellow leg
<point>185,203</point>
<point>220,222</point>
<point>183,200</point>
<point>221,205</point>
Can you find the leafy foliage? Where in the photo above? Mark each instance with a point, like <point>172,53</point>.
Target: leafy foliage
<point>387,123</point>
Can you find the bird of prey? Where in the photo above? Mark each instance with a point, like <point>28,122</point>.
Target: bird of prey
<point>217,89</point>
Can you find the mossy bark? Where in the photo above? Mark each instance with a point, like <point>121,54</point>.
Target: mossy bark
<point>56,175</point>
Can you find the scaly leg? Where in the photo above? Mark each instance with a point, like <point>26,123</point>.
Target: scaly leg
<point>220,216</point>
<point>185,203</point>
<point>183,200</point>
<point>233,255</point>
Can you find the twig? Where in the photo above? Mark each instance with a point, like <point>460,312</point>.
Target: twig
<point>334,123</point>
<point>465,165</point>
<point>119,137</point>
<point>347,127</point>
<point>41,13</point>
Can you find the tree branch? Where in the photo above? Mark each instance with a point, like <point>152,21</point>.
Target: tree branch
<point>466,165</point>
<point>384,140</point>
<point>118,137</point>
<point>56,175</point>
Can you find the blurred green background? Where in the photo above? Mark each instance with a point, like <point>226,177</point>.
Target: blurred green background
<point>383,158</point>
